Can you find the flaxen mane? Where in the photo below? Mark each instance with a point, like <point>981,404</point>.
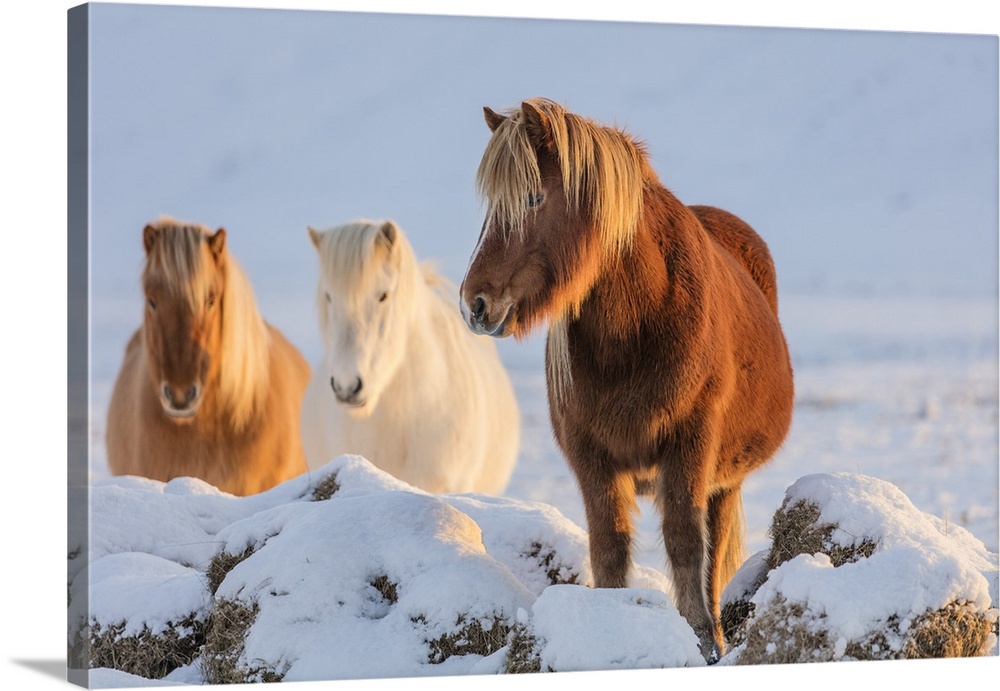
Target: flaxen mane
<point>602,171</point>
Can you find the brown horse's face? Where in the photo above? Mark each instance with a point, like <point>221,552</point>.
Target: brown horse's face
<point>517,279</point>
<point>182,327</point>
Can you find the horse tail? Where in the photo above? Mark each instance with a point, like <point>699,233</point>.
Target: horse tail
<point>735,543</point>
<point>730,547</point>
<point>749,249</point>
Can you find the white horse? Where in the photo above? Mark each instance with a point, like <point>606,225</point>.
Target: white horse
<point>403,382</point>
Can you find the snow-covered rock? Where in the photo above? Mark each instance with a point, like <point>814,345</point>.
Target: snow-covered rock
<point>855,571</point>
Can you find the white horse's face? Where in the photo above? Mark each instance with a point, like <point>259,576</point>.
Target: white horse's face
<point>361,313</point>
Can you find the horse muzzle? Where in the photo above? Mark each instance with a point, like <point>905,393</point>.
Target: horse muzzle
<point>479,317</point>
<point>180,403</point>
<point>350,393</point>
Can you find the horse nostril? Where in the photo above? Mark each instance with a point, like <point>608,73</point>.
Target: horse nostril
<point>167,393</point>
<point>479,308</point>
<point>347,393</point>
<point>192,394</point>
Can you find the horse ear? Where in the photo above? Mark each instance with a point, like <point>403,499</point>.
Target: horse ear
<point>493,118</point>
<point>388,233</point>
<point>538,125</point>
<point>149,235</point>
<point>315,236</point>
<point>217,243</point>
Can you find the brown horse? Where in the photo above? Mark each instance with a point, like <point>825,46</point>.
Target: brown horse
<point>207,388</point>
<point>666,366</point>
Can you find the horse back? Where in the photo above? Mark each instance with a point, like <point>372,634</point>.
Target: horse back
<point>289,360</point>
<point>279,426</point>
<point>125,401</point>
<point>741,241</point>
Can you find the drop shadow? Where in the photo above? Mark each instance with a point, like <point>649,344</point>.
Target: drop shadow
<point>50,668</point>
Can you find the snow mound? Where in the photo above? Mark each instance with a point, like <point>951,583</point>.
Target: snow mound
<point>149,614</point>
<point>855,571</point>
<point>571,628</point>
<point>344,572</point>
<point>423,587</point>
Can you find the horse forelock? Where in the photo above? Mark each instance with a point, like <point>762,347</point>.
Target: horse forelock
<point>180,263</point>
<point>175,263</point>
<point>350,256</point>
<point>508,173</point>
<point>603,170</point>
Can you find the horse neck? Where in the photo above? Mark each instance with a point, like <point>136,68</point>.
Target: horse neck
<point>654,274</point>
<point>432,331</point>
<point>423,318</point>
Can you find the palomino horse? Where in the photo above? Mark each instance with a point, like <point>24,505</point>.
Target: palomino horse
<point>402,381</point>
<point>666,366</point>
<point>207,388</point>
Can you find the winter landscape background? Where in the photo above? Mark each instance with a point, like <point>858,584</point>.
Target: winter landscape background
<point>867,161</point>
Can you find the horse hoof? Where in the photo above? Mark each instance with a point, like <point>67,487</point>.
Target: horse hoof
<point>709,648</point>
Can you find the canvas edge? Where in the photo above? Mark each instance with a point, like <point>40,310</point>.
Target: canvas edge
<point>78,313</point>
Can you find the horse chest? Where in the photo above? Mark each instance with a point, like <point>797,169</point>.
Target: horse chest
<point>624,399</point>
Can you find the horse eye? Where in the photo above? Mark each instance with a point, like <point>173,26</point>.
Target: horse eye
<point>382,297</point>
<point>535,200</point>
<point>211,301</point>
<point>152,303</point>
<point>328,299</point>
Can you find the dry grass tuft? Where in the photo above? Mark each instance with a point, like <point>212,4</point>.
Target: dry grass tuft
<point>327,488</point>
<point>952,631</point>
<point>220,566</point>
<point>386,588</point>
<point>225,636</point>
<point>146,654</point>
<point>734,614</point>
<point>955,631</point>
<point>783,635</point>
<point>523,655</point>
<point>796,530</point>
<point>477,637</point>
<point>557,572</point>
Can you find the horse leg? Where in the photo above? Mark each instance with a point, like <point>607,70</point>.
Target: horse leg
<point>725,553</point>
<point>609,501</point>
<point>683,506</point>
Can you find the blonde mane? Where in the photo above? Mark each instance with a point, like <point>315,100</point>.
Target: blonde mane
<point>603,171</point>
<point>176,264</point>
